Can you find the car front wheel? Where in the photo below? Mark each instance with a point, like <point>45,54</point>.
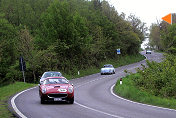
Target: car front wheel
<point>42,101</point>
<point>71,101</point>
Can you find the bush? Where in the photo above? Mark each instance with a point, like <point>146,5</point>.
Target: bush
<point>159,78</point>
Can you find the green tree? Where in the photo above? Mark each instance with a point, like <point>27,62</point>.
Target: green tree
<point>169,39</point>
<point>138,26</point>
<point>65,29</point>
<point>7,39</point>
<point>154,37</point>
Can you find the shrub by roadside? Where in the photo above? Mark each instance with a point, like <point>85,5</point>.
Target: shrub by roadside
<point>159,78</point>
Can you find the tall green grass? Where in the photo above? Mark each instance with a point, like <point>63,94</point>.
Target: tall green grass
<point>129,90</point>
<point>117,62</point>
<point>6,92</point>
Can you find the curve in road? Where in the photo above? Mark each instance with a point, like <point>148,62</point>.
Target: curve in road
<point>93,99</point>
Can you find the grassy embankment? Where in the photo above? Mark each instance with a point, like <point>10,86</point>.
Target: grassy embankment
<point>130,91</point>
<point>6,92</point>
<point>9,90</point>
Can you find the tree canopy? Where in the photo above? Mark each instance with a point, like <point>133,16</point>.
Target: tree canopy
<point>64,35</point>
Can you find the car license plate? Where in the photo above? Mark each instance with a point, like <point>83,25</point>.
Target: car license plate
<point>57,99</point>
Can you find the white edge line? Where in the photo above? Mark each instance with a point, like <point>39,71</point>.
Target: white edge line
<point>137,102</point>
<point>97,110</point>
<point>145,57</point>
<point>14,105</point>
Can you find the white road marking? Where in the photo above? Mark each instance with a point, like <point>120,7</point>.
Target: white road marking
<point>145,57</point>
<point>111,89</point>
<point>90,108</point>
<point>89,82</point>
<point>14,105</point>
<point>97,110</point>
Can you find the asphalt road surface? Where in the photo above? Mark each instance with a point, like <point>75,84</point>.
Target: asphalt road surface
<point>93,99</point>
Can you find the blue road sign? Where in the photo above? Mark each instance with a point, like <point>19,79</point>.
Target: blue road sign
<point>118,51</point>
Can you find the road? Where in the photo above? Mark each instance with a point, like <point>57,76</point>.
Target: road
<point>93,99</point>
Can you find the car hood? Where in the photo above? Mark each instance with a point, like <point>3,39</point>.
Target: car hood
<point>54,88</point>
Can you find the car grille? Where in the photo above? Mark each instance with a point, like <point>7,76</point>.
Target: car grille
<point>57,95</point>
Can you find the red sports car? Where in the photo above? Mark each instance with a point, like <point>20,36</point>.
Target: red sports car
<point>56,89</point>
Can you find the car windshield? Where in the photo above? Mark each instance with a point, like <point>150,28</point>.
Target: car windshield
<point>56,81</point>
<point>108,66</point>
<point>51,74</point>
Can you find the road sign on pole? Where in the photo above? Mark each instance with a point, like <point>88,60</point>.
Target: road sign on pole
<point>22,66</point>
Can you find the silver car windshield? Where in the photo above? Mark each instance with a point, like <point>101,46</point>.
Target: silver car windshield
<point>51,74</point>
<point>55,81</point>
<point>108,66</point>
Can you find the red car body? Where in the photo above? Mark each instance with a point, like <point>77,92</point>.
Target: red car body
<point>56,89</point>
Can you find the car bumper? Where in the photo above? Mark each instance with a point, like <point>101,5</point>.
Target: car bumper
<point>57,97</point>
<point>103,73</point>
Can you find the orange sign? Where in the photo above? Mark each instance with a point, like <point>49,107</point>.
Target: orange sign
<point>168,18</point>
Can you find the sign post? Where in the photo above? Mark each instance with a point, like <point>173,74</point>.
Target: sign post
<point>22,66</point>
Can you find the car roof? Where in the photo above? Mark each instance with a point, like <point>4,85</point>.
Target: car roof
<point>52,72</point>
<point>108,65</point>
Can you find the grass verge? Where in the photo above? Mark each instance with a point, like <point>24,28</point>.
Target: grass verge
<point>119,61</point>
<point>130,91</point>
<point>6,92</point>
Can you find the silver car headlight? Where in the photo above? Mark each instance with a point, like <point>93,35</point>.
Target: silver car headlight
<point>43,90</point>
<point>41,81</point>
<point>70,89</point>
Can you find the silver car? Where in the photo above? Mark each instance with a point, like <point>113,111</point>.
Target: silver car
<point>148,52</point>
<point>50,74</point>
<point>107,69</point>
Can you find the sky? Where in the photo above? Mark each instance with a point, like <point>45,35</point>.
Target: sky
<point>148,11</point>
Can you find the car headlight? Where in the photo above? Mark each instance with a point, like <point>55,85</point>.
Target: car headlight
<point>44,90</point>
<point>70,89</point>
